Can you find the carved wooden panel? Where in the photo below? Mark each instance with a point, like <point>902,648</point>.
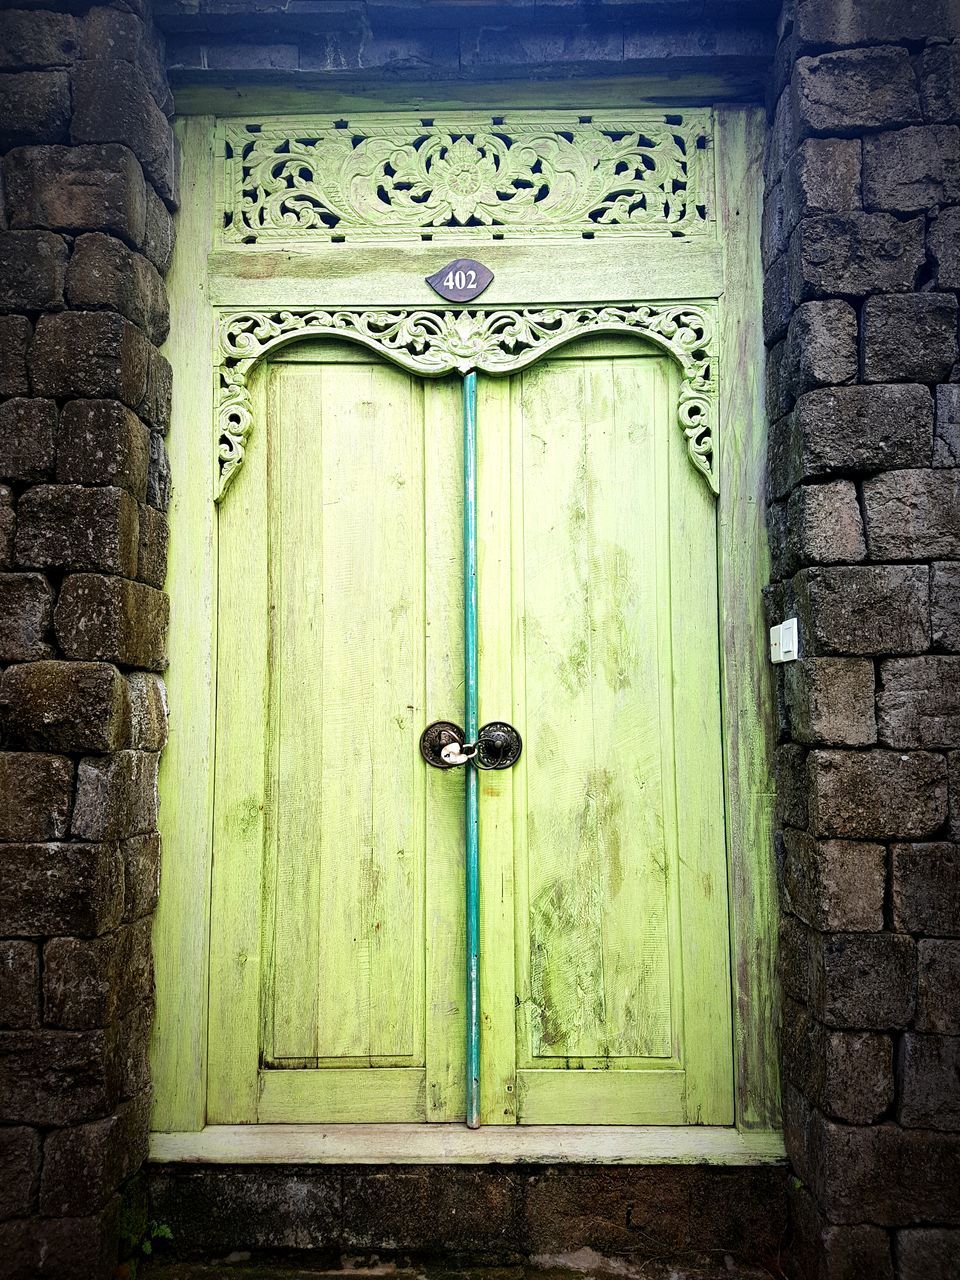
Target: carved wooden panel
<point>433,343</point>
<point>467,177</point>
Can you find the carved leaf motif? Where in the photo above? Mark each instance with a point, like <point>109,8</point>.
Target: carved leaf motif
<point>378,177</point>
<point>433,343</point>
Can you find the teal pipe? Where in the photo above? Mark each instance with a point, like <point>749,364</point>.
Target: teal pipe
<point>471,725</point>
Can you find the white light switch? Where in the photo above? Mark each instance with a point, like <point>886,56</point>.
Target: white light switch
<point>784,642</point>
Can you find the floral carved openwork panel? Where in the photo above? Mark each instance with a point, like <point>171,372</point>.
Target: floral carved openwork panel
<point>474,177</point>
<point>502,341</point>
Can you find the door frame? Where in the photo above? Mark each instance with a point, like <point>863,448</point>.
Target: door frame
<point>725,270</point>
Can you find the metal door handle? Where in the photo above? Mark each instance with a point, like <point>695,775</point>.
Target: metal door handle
<point>443,745</point>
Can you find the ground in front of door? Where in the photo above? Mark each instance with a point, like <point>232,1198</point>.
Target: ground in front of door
<point>585,1264</point>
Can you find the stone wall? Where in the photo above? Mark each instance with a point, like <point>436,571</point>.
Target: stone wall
<point>862,267</point>
<point>86,235</point>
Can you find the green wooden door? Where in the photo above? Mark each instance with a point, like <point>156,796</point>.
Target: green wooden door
<point>337,976</point>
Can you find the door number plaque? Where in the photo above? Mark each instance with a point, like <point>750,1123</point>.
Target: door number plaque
<point>461,280</point>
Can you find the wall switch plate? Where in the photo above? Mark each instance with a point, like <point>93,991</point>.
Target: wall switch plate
<point>784,642</point>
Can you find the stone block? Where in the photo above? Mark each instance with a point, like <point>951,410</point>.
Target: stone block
<point>913,515</point>
<point>777,302</point>
<point>26,609</point>
<point>773,236</point>
<point>853,429</point>
<point>857,1083</point>
<point>111,619</point>
<point>28,431</point>
<point>76,189</point>
<point>7,526</point>
<point>19,987</point>
<point>15,335</point>
<point>943,244</point>
<point>824,525</point>
<point>855,254</point>
<point>791,784</point>
<point>105,273</point>
<point>36,795</point>
<point>781,139</point>
<point>19,1172</point>
<point>132,1048</point>
<point>33,267</point>
<point>831,701</point>
<point>925,880</point>
<point>71,527</point>
<point>8,523</point>
<point>866,795</point>
<point>953,792</point>
<point>84,1165</point>
<point>928,1253</point>
<point>60,888</point>
<point>148,711</point>
<point>929,1068</point>
<point>141,875</point>
<point>946,441</point>
<point>428,1208</point>
<point>864,980</point>
<point>854,89</point>
<point>34,38</point>
<point>910,338</point>
<point>863,609</point>
<point>116,796</point>
<point>158,236</point>
<point>219,1208</point>
<point>821,176</point>
<point>888,1175</point>
<point>834,885</point>
<point>113,34</point>
<point>152,556</point>
<point>228,56</point>
<point>940,82</point>
<point>101,442</point>
<point>938,986</point>
<point>90,982</point>
<point>794,958</point>
<point>64,1248</point>
<point>89,355</point>
<point>65,706</point>
<point>851,1252</point>
<point>34,107</point>
<point>112,103</point>
<point>918,702</point>
<point>154,408</point>
<point>50,1077</point>
<point>821,345</point>
<point>158,474</point>
<point>912,169</point>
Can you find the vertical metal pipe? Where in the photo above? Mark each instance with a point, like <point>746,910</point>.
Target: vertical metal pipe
<point>471,725</point>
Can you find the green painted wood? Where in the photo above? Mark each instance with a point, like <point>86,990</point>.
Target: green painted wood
<point>675,88</point>
<point>181,928</point>
<point>604,523</point>
<point>330,589</point>
<point>750,729</point>
<point>241,1006</point>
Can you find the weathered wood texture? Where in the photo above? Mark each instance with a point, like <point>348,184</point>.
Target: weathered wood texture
<point>182,926</point>
<point>566,448</point>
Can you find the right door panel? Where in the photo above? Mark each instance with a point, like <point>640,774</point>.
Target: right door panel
<point>603,870</point>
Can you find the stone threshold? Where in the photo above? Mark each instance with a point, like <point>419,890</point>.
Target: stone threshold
<point>379,1144</point>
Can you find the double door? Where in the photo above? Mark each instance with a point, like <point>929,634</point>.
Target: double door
<point>337,961</point>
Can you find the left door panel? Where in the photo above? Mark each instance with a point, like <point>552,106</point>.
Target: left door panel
<point>337,918</point>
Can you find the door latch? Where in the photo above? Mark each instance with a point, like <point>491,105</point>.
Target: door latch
<point>443,745</point>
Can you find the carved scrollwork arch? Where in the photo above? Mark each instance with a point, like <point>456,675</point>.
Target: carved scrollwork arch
<point>498,342</point>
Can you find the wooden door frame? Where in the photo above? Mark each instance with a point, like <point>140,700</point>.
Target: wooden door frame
<point>726,270</point>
